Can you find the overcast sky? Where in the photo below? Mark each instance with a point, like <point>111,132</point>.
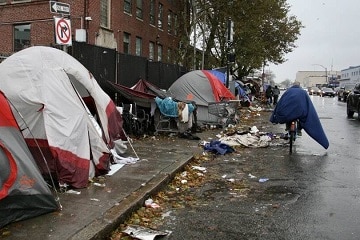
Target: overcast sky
<point>330,37</point>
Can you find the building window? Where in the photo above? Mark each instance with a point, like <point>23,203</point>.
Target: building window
<point>169,55</point>
<point>127,6</point>
<point>176,24</point>
<point>169,22</point>
<point>21,37</point>
<point>152,12</point>
<point>159,53</point>
<point>160,16</point>
<point>126,43</point>
<point>138,46</point>
<point>105,13</point>
<point>151,50</point>
<point>139,9</point>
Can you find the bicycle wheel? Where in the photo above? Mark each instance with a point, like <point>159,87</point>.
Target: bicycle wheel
<point>291,139</point>
<point>292,135</point>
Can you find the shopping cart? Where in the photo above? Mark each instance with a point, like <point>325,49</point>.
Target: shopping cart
<point>226,112</point>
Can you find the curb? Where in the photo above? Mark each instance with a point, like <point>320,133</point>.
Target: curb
<point>112,218</point>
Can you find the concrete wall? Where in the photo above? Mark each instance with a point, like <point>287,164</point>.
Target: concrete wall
<point>312,78</point>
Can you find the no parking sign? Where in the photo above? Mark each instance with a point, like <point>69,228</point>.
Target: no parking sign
<point>63,31</point>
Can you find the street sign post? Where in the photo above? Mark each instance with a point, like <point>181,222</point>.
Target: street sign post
<point>59,7</point>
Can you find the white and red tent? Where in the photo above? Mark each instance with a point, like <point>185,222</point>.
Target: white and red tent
<point>63,111</point>
<point>23,191</point>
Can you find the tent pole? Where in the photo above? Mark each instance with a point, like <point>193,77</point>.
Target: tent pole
<point>129,140</point>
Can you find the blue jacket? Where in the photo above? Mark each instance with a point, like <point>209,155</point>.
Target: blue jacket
<point>294,104</point>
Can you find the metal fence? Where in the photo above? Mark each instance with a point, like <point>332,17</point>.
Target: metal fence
<point>109,65</point>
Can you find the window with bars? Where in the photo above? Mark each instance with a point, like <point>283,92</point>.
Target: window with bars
<point>160,50</point>
<point>169,22</point>
<point>176,24</point>
<point>151,50</point>
<point>152,12</point>
<point>169,55</point>
<point>105,13</point>
<point>127,6</point>
<point>138,44</point>
<point>160,16</point>
<point>139,9</point>
<point>21,37</point>
<point>126,43</point>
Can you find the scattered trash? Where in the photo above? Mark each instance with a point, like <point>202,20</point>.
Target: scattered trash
<point>203,169</point>
<point>73,192</point>
<point>204,143</point>
<point>255,108</point>
<point>143,233</point>
<point>184,181</point>
<point>99,184</point>
<point>95,199</point>
<point>254,129</point>
<point>251,176</point>
<point>151,204</point>
<point>114,168</point>
<point>166,214</point>
<point>261,180</point>
<point>247,140</point>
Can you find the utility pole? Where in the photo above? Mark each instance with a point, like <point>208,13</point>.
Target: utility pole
<point>230,56</point>
<point>194,25</point>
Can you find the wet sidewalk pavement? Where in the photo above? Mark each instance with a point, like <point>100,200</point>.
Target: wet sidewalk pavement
<point>94,212</point>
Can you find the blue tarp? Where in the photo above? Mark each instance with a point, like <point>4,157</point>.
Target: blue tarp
<point>218,147</point>
<point>294,104</point>
<point>168,107</point>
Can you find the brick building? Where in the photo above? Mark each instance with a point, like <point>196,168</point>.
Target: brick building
<point>147,28</point>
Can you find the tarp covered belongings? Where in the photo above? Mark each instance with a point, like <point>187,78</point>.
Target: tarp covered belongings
<point>64,111</point>
<point>170,108</point>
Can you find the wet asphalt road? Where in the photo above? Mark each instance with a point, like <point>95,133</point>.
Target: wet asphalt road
<point>312,194</point>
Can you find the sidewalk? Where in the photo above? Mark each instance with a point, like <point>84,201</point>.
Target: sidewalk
<point>99,209</point>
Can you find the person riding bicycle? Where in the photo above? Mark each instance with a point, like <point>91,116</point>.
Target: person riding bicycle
<point>295,104</point>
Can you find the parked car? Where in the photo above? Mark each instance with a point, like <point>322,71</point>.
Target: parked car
<point>344,91</point>
<point>353,101</point>
<point>325,91</point>
<point>314,91</point>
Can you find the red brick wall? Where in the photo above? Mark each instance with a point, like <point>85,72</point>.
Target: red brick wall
<point>38,14</point>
